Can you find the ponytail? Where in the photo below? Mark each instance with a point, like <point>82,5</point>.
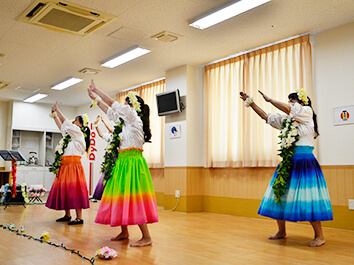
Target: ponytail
<point>144,115</point>
<point>86,131</point>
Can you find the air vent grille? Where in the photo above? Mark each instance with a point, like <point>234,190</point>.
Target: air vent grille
<point>166,36</point>
<point>4,84</point>
<point>65,17</point>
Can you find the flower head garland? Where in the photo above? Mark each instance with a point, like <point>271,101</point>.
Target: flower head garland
<point>95,101</point>
<point>59,151</point>
<point>248,102</point>
<point>111,153</point>
<point>85,119</point>
<point>134,100</point>
<point>106,253</point>
<point>301,94</point>
<point>289,135</point>
<point>53,114</point>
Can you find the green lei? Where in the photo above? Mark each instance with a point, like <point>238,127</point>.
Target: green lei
<point>289,136</point>
<point>63,143</point>
<point>111,152</point>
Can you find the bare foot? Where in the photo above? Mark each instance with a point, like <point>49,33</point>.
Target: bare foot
<point>121,236</point>
<point>141,243</point>
<point>278,235</point>
<point>317,242</point>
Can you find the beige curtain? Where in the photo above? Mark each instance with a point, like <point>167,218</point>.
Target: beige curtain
<point>154,151</point>
<point>235,135</point>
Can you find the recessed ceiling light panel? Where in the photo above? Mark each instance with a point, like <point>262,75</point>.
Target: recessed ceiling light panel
<point>226,13</point>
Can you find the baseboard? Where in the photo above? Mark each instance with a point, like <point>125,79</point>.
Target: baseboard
<point>343,218</point>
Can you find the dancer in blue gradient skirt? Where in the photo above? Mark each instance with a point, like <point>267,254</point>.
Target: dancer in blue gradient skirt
<point>298,190</point>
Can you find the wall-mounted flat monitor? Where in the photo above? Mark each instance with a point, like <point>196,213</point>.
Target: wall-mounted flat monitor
<point>168,102</point>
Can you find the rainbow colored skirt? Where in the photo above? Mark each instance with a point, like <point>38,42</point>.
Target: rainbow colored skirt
<point>69,189</point>
<point>128,197</point>
<point>306,197</point>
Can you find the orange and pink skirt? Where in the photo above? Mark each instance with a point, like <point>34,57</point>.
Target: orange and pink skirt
<point>69,190</point>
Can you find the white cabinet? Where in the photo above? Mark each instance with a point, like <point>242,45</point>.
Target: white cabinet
<point>30,175</point>
<point>48,179</point>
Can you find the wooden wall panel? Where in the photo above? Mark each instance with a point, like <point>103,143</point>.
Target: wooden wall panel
<point>157,176</point>
<point>175,179</point>
<point>340,182</point>
<point>245,183</point>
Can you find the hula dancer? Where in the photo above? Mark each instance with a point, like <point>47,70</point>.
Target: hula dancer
<point>128,197</point>
<point>298,190</point>
<point>69,189</point>
<point>107,137</point>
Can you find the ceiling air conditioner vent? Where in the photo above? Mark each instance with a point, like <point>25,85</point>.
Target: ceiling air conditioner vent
<point>4,84</point>
<point>166,36</point>
<point>65,17</point>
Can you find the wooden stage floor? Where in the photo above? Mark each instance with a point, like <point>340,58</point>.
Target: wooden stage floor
<point>178,238</point>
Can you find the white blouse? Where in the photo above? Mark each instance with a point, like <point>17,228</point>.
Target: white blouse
<point>303,115</point>
<point>132,134</point>
<point>107,137</point>
<point>77,145</point>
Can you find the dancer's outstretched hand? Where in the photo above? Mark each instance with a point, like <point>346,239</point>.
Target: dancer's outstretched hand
<point>97,119</point>
<point>92,87</point>
<point>55,106</point>
<point>91,95</point>
<point>266,98</point>
<point>243,95</point>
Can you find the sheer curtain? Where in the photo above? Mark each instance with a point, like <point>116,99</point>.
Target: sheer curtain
<point>154,151</point>
<point>235,135</point>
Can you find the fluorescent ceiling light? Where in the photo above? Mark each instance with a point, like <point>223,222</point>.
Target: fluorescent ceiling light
<point>125,57</point>
<point>226,13</point>
<point>35,98</point>
<point>67,83</point>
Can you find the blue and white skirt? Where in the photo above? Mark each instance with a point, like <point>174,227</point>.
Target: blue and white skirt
<point>306,197</point>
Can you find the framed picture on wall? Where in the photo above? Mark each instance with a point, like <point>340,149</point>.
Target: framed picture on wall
<point>343,115</point>
<point>175,131</point>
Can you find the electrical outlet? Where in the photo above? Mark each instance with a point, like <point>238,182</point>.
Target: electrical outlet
<point>177,193</point>
<point>351,204</point>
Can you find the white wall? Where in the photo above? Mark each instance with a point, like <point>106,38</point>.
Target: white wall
<point>3,127</point>
<point>176,148</point>
<point>334,87</point>
<point>195,117</point>
<point>35,116</point>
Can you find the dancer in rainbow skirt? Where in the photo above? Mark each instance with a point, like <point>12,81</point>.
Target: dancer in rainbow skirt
<point>107,136</point>
<point>298,190</point>
<point>128,197</point>
<point>69,189</point>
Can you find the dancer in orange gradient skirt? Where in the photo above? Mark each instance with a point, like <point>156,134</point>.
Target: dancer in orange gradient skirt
<point>128,197</point>
<point>69,190</point>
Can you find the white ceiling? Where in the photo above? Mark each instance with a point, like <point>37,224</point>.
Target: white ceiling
<point>38,58</point>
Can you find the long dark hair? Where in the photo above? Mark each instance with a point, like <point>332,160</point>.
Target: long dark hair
<point>294,96</point>
<point>86,132</point>
<point>144,115</point>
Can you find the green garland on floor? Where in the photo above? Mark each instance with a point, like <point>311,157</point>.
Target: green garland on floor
<point>72,251</point>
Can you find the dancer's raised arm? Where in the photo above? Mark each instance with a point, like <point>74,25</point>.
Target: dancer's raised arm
<point>279,105</point>
<point>107,99</point>
<point>99,103</point>
<point>60,115</point>
<point>109,128</point>
<point>55,117</point>
<point>261,113</point>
